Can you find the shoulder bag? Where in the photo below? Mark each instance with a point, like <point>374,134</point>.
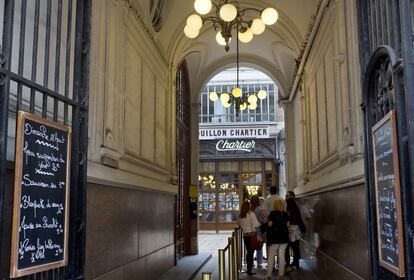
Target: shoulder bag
<point>255,243</point>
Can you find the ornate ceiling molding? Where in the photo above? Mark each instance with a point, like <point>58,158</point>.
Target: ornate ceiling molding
<point>147,29</point>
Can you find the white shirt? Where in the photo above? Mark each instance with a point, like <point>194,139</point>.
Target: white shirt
<point>270,200</point>
<point>249,223</point>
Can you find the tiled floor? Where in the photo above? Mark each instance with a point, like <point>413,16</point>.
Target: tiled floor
<point>211,241</point>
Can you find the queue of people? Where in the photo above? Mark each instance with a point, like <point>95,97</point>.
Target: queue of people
<point>275,223</point>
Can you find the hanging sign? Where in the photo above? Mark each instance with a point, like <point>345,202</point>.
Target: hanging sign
<point>41,196</point>
<point>388,198</point>
<point>234,132</point>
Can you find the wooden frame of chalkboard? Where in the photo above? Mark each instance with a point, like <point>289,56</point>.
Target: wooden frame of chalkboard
<point>388,196</point>
<point>19,249</point>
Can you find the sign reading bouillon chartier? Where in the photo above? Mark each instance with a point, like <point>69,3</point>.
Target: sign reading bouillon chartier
<point>234,132</point>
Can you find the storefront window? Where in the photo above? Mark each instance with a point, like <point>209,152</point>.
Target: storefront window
<point>229,217</point>
<point>207,201</point>
<point>229,201</point>
<point>207,182</point>
<point>252,183</point>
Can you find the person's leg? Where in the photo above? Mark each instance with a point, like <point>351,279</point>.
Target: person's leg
<point>281,258</point>
<point>296,253</point>
<point>249,253</point>
<point>259,256</point>
<point>271,253</point>
<point>287,254</point>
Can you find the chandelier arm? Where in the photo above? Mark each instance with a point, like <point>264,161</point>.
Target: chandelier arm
<point>212,19</point>
<point>243,11</point>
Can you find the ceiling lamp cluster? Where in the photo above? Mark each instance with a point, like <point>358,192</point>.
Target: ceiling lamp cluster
<point>241,100</point>
<point>228,17</point>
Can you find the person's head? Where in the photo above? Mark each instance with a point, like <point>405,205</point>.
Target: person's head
<point>245,208</point>
<point>255,202</point>
<point>278,205</point>
<point>273,190</point>
<point>261,199</point>
<point>289,194</point>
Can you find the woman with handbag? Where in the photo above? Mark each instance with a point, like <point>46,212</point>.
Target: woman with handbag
<point>261,218</point>
<point>277,237</point>
<point>249,224</point>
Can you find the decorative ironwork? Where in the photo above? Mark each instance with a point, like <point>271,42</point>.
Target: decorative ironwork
<point>62,98</point>
<point>382,95</point>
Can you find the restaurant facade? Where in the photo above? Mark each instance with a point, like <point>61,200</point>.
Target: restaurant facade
<point>237,150</point>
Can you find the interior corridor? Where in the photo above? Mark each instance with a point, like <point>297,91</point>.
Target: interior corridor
<point>133,130</point>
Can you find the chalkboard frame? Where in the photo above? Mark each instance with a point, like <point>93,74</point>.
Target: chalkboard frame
<point>14,271</point>
<point>400,270</point>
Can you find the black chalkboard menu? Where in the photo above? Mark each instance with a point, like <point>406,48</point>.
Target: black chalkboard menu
<point>387,187</point>
<point>41,196</point>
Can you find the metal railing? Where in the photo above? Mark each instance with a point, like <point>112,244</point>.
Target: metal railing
<point>235,256</point>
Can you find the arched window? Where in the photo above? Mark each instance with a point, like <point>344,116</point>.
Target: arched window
<point>156,13</point>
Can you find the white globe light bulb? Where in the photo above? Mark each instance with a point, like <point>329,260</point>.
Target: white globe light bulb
<point>269,16</point>
<point>258,26</point>
<point>243,106</point>
<point>194,22</point>
<point>228,12</point>
<point>246,36</point>
<point>190,33</point>
<point>237,92</point>
<point>252,106</point>
<point>252,99</point>
<point>261,94</point>
<point>213,96</point>
<point>224,97</point>
<point>220,39</point>
<point>227,105</point>
<point>202,6</point>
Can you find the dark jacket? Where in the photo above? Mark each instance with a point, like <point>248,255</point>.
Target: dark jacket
<point>295,218</point>
<point>277,233</point>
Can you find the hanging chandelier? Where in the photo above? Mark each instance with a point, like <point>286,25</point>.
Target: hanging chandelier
<point>239,99</point>
<point>228,16</point>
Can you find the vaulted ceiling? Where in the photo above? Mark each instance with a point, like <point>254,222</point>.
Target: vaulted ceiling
<point>272,52</point>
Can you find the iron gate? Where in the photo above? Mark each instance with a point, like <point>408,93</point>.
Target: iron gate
<point>44,59</point>
<point>387,57</point>
<point>182,219</point>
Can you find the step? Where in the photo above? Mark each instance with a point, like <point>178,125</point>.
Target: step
<point>187,267</point>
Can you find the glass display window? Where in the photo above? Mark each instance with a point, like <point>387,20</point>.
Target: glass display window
<point>229,217</point>
<point>228,181</point>
<point>207,182</point>
<point>252,184</point>
<point>207,201</point>
<point>219,194</point>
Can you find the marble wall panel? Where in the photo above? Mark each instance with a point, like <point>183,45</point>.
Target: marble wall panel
<point>124,228</point>
<point>337,226</point>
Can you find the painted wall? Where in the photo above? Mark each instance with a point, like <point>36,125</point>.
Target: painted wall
<point>324,147</point>
<point>131,168</point>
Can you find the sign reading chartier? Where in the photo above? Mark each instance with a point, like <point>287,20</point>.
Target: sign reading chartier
<point>241,132</point>
<point>236,145</point>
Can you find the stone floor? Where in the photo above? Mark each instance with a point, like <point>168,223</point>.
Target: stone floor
<point>210,242</point>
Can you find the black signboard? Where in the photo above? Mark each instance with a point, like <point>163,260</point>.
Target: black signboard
<point>387,186</point>
<point>41,196</point>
